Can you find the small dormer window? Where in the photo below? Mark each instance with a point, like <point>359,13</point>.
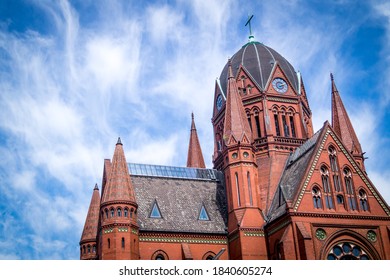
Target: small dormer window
<point>203,214</point>
<point>155,213</point>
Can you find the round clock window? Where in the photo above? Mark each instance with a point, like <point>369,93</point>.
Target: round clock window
<point>279,85</point>
<point>219,102</point>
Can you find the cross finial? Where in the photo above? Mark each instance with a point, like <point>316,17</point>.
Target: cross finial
<point>248,22</point>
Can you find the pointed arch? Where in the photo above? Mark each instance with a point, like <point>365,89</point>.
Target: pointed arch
<point>340,245</point>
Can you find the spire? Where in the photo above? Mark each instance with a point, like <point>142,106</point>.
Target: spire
<point>195,156</point>
<point>236,123</point>
<point>118,186</point>
<point>91,222</point>
<point>342,124</point>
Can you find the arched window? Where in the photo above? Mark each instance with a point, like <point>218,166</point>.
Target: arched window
<point>249,188</point>
<point>126,212</point>
<point>326,186</point>
<point>94,249</point>
<point>84,249</point>
<point>248,116</point>
<point>238,190</point>
<point>340,199</point>
<point>89,248</point>
<point>257,120</point>
<point>160,255</point>
<point>106,211</point>
<point>119,212</point>
<point>208,256</point>
<point>123,242</point>
<point>363,200</point>
<point>316,197</point>
<point>333,159</point>
<point>277,128</point>
<point>292,125</point>
<point>108,243</point>
<point>112,212</point>
<point>350,189</point>
<point>286,129</point>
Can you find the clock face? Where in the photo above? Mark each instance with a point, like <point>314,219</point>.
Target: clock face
<point>219,102</point>
<point>279,85</point>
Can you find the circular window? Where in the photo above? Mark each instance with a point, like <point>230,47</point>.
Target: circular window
<point>234,155</point>
<point>245,154</point>
<point>371,235</point>
<point>320,234</point>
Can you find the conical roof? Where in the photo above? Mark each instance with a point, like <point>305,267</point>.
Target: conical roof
<point>195,156</point>
<point>236,123</point>
<point>341,123</point>
<point>91,222</point>
<point>118,186</point>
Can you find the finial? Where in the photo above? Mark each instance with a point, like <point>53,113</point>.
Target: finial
<point>96,187</point>
<point>331,76</point>
<point>248,22</point>
<point>119,141</point>
<point>192,115</point>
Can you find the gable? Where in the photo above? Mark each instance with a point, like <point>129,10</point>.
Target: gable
<point>277,76</point>
<point>313,177</point>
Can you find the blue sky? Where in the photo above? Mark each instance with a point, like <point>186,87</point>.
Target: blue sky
<point>75,75</point>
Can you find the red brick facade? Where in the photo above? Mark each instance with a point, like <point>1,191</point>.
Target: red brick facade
<point>288,193</point>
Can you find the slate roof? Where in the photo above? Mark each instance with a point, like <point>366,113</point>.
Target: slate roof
<point>180,201</point>
<point>258,59</point>
<point>294,171</point>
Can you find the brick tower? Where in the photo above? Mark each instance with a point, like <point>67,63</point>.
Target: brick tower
<point>118,237</point>
<point>88,242</point>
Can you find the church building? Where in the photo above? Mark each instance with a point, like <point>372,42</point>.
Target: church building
<point>277,190</point>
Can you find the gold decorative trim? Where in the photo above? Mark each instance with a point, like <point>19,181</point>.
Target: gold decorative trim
<point>285,100</point>
<point>254,234</point>
<point>181,240</point>
<point>247,102</point>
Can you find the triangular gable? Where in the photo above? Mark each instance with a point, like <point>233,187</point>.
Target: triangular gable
<point>328,132</point>
<point>242,70</point>
<point>277,72</point>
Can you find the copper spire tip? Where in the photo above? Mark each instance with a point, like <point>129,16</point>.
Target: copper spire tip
<point>96,187</point>
<point>119,142</point>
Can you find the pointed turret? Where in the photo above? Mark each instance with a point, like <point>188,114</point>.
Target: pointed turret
<point>342,125</point>
<point>119,211</point>
<point>195,156</point>
<point>88,239</point>
<point>236,123</point>
<point>118,187</point>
